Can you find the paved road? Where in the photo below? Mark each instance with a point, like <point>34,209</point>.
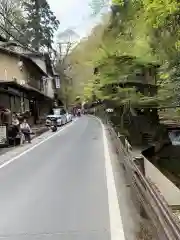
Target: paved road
<point>58,189</point>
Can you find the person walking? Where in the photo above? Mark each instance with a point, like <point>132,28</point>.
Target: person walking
<point>26,130</point>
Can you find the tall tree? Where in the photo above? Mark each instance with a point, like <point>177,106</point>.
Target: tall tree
<point>11,19</point>
<point>98,5</point>
<point>148,30</point>
<point>66,41</point>
<point>41,24</point>
<point>76,67</point>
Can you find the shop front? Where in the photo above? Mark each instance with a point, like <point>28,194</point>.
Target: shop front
<point>13,97</point>
<point>25,100</point>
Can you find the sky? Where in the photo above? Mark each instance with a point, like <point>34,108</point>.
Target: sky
<point>74,14</point>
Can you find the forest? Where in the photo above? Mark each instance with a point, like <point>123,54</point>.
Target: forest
<point>144,30</point>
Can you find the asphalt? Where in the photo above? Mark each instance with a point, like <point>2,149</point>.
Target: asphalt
<point>37,131</point>
<point>57,189</point>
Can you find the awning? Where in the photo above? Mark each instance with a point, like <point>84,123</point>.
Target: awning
<point>24,87</point>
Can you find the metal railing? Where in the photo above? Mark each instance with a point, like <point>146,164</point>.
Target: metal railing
<point>145,193</point>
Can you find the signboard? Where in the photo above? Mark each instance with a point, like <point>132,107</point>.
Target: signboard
<point>109,110</point>
<point>3,134</point>
<point>57,82</point>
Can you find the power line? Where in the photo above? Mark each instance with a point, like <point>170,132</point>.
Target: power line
<point>16,39</point>
<point>11,24</point>
<point>10,34</point>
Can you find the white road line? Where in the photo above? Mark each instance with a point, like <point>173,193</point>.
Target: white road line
<point>34,146</point>
<point>116,225</point>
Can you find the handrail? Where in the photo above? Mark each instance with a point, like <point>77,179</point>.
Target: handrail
<point>154,205</point>
<point>165,217</point>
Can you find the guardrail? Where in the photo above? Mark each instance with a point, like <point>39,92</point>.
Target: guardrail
<point>144,192</point>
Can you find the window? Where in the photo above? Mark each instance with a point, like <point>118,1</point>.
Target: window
<point>63,112</point>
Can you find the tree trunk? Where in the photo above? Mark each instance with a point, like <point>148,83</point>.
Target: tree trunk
<point>38,26</point>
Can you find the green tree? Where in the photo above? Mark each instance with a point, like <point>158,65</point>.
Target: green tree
<point>146,30</point>
<point>41,24</point>
<point>11,19</point>
<point>98,5</point>
<point>66,41</point>
<point>149,31</point>
<point>80,61</point>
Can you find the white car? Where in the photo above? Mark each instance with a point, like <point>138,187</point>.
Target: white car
<point>62,115</point>
<point>69,117</point>
<point>51,118</point>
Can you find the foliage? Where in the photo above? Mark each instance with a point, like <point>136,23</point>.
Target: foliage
<point>41,24</point>
<point>98,5</point>
<point>29,22</point>
<point>149,31</point>
<point>11,19</point>
<point>138,34</point>
<point>66,42</point>
<point>77,64</point>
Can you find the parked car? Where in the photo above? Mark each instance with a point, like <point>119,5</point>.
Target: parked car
<point>59,115</point>
<point>62,114</point>
<point>51,118</point>
<point>69,117</point>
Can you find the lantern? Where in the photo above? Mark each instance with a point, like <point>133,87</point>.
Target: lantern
<point>20,65</point>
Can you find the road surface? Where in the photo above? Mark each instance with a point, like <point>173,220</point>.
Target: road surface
<point>57,189</point>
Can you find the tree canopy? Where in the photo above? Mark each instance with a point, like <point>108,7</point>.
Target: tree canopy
<point>147,30</point>
<point>11,19</point>
<point>80,64</point>
<point>31,22</point>
<point>41,23</point>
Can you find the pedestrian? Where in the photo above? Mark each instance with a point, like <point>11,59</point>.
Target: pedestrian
<point>15,120</point>
<point>26,130</point>
<point>14,129</point>
<point>5,116</point>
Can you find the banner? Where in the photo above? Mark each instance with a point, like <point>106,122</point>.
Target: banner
<point>57,82</point>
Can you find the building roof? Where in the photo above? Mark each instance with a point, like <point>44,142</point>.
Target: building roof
<point>23,56</point>
<point>35,56</point>
<point>42,60</point>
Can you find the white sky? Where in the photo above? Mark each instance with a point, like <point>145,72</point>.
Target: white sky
<point>73,14</point>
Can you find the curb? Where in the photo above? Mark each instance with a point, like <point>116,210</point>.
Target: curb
<point>39,132</point>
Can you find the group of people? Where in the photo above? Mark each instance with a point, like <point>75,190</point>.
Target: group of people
<point>76,111</point>
<point>15,125</point>
<point>21,128</point>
